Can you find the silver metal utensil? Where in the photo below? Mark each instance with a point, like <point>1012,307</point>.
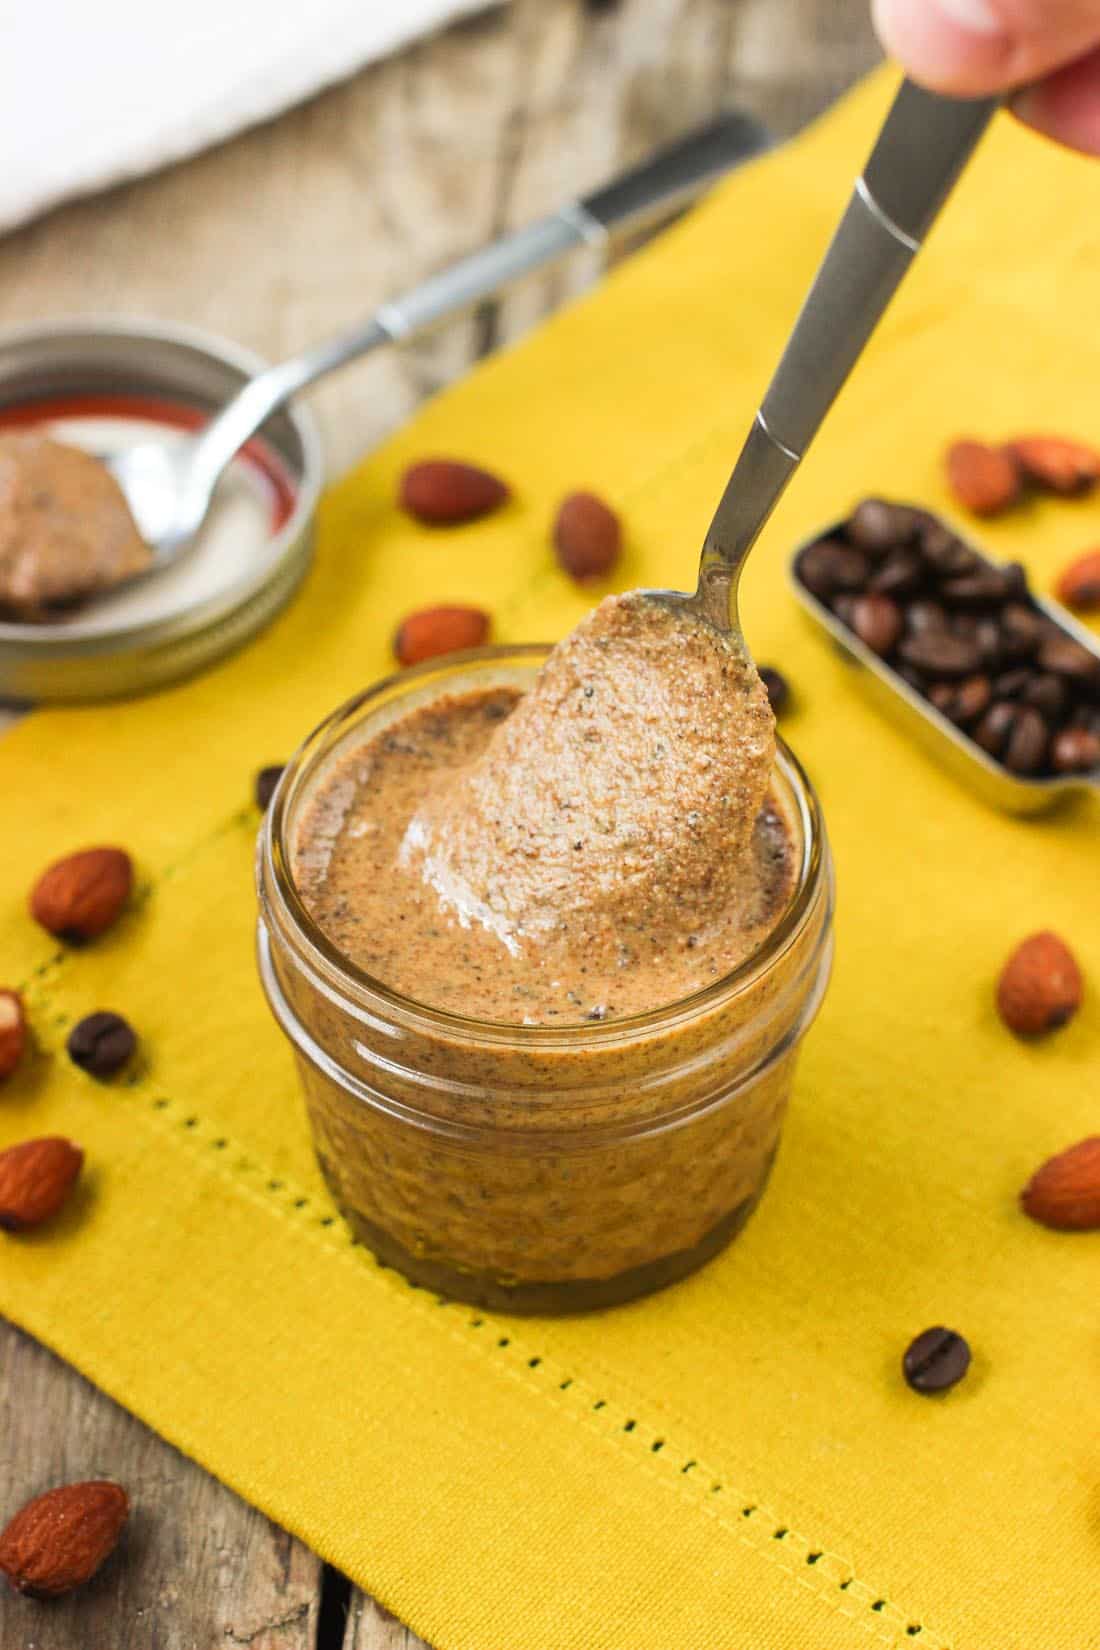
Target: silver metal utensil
<point>169,485</point>
<point>923,145</point>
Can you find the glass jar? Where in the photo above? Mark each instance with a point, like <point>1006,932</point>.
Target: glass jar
<point>536,1169</point>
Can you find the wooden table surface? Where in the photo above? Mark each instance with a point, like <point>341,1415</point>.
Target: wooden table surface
<point>276,238</point>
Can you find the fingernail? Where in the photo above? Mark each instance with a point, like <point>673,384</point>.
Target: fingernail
<point>954,45</point>
<point>908,24</point>
<point>976,16</point>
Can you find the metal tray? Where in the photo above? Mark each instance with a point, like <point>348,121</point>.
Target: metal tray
<point>935,733</point>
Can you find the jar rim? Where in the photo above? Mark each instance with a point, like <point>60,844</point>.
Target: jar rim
<point>371,992</point>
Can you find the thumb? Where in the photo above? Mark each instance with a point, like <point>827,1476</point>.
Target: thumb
<point>975,47</point>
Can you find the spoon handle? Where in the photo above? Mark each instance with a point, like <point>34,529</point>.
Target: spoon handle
<point>923,146</point>
<point>636,199</point>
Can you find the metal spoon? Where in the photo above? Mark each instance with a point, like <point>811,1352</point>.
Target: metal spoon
<point>169,486</point>
<point>923,146</point>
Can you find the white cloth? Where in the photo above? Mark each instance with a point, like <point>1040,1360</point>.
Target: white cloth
<point>95,91</point>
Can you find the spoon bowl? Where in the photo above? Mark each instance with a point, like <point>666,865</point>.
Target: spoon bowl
<point>168,509</point>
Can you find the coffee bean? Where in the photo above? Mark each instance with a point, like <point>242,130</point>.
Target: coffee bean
<point>961,702</point>
<point>829,566</point>
<point>264,788</point>
<point>778,688</point>
<point>1028,741</point>
<point>936,541</point>
<point>995,726</point>
<point>945,553</point>
<point>1048,694</point>
<point>924,615</point>
<point>1048,630</point>
<point>963,633</point>
<point>1075,750</point>
<point>984,587</point>
<point>1068,658</point>
<point>936,1360</point>
<point>971,699</point>
<point>941,654</point>
<point>1020,630</point>
<point>101,1043</point>
<point>988,635</point>
<point>901,574</point>
<point>877,622</point>
<point>1010,684</point>
<point>876,526</point>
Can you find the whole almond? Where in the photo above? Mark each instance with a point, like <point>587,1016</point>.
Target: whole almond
<point>1040,986</point>
<point>587,536</point>
<point>1065,1192</point>
<point>984,479</point>
<point>13,1032</point>
<point>436,630</point>
<point>36,1177</point>
<point>1079,584</point>
<point>82,895</point>
<point>443,492</point>
<point>1060,466</point>
<point>59,1540</point>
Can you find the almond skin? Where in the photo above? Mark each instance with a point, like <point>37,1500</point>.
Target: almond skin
<point>59,1540</point>
<point>36,1177</point>
<point>443,492</point>
<point>1079,584</point>
<point>13,1032</point>
<point>436,630</point>
<point>1065,1192</point>
<point>82,895</point>
<point>587,537</point>
<point>1040,987</point>
<point>984,479</point>
<point>1059,466</point>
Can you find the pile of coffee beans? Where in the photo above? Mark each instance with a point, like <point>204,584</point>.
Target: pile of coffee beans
<point>965,633</point>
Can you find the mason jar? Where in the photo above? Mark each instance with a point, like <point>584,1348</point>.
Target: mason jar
<point>537,1169</point>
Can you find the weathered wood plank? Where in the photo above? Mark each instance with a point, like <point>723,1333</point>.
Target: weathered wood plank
<point>789,59</point>
<point>598,89</point>
<point>370,1627</point>
<point>196,1568</point>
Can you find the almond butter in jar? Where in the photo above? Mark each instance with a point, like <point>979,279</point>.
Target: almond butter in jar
<point>530,1168</point>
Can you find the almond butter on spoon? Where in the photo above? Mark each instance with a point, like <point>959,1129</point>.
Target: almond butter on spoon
<point>66,532</point>
<point>618,800</point>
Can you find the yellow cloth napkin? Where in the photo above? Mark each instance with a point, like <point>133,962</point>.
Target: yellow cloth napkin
<point>734,1464</point>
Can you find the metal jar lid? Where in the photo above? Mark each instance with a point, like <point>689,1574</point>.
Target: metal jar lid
<point>98,375</point>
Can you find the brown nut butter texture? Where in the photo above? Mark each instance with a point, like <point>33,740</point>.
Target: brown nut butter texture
<point>596,848</point>
<point>66,531</point>
<point>591,1153</point>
